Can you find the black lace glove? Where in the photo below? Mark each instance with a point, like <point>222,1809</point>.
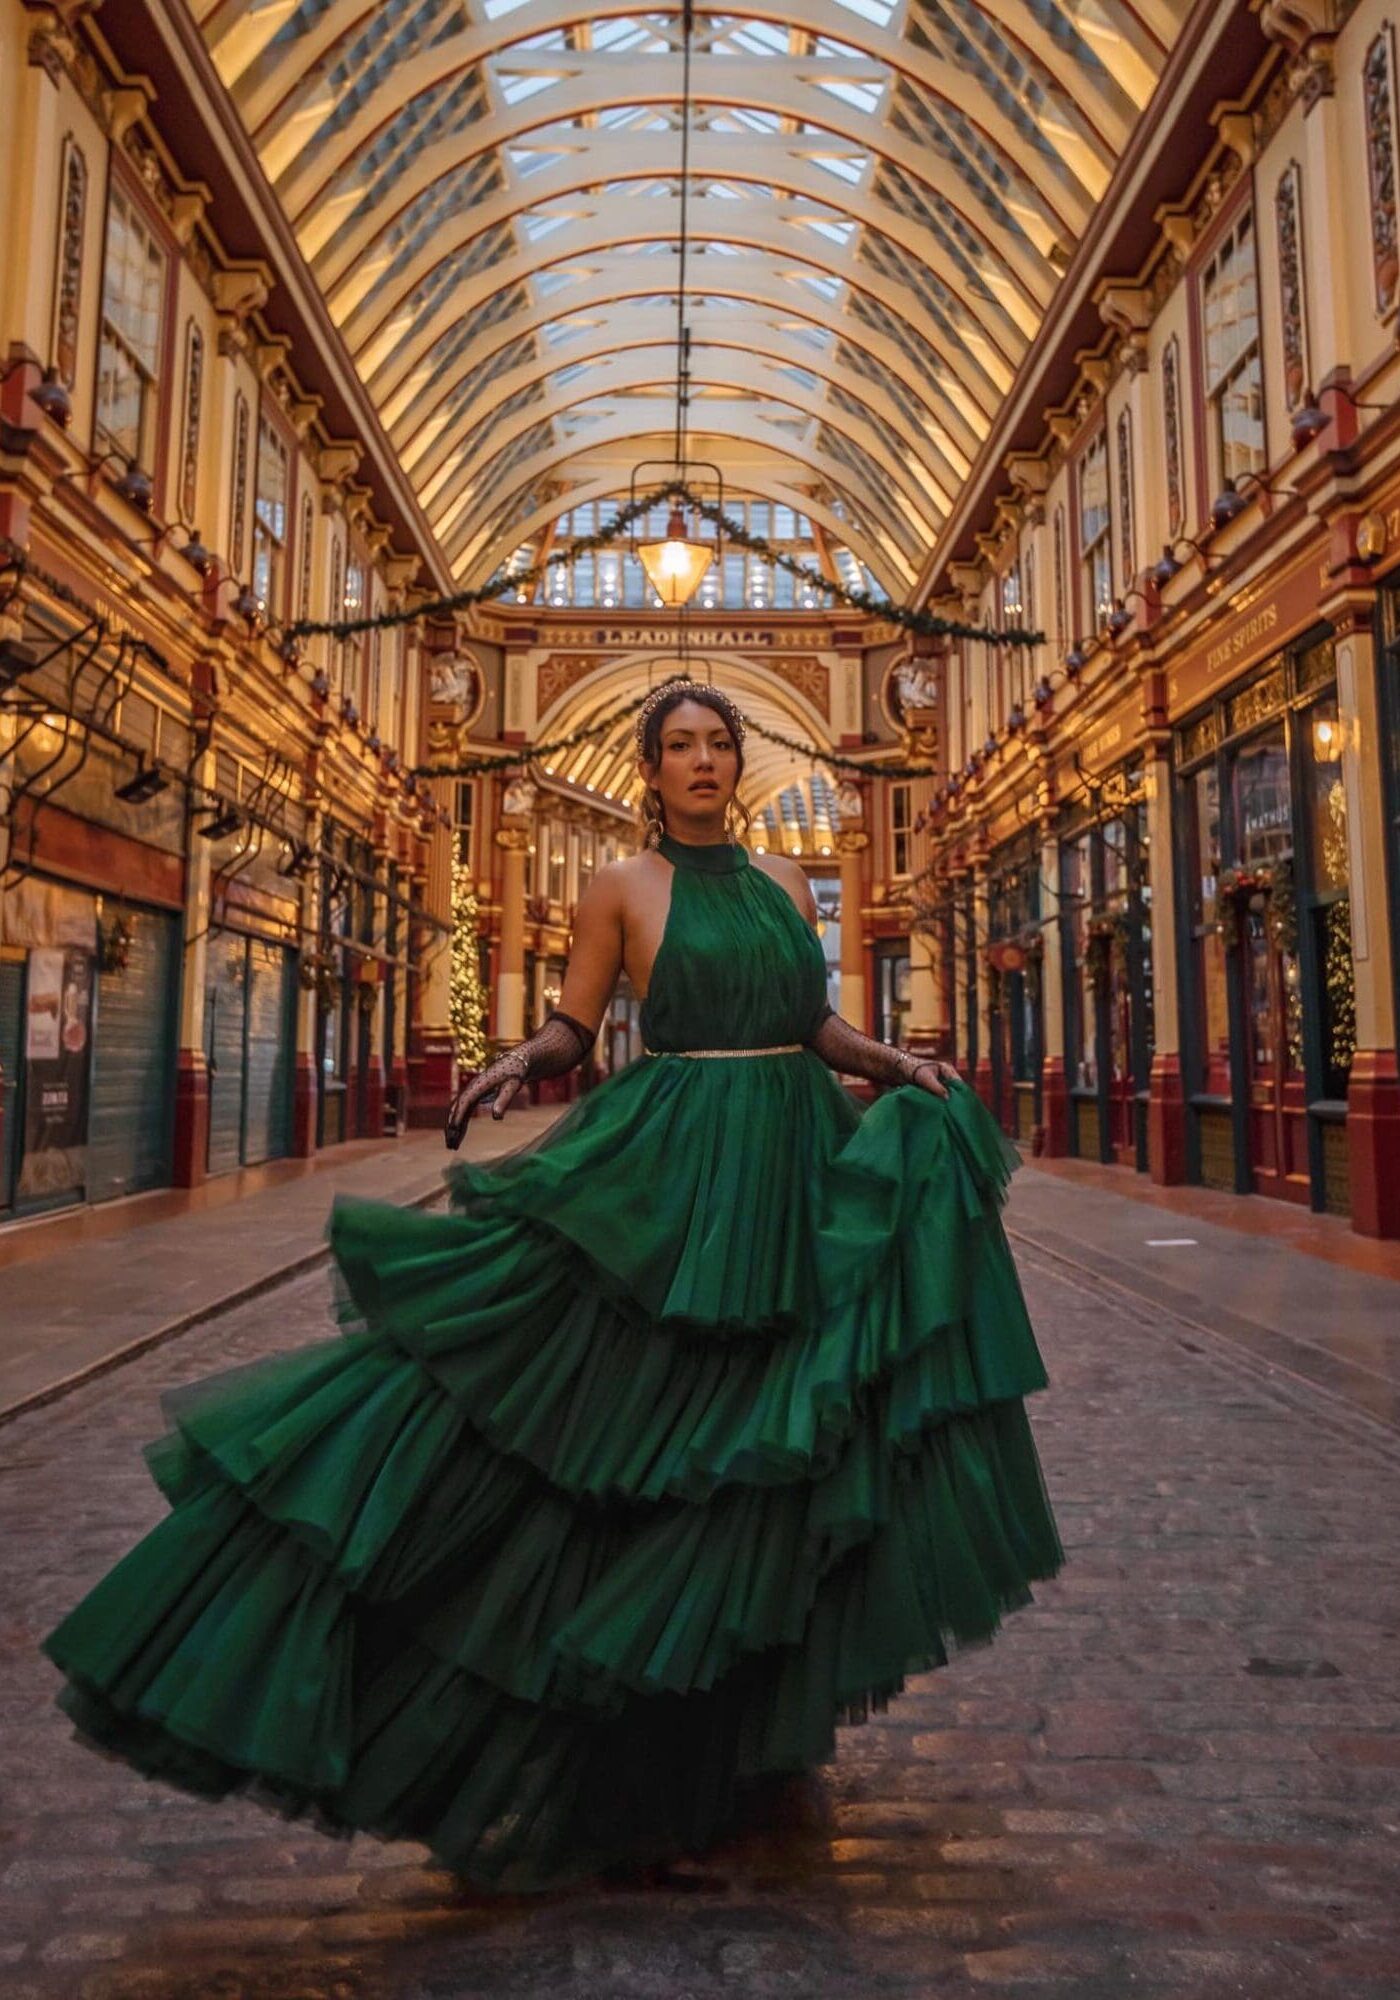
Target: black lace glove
<point>844,1048</point>
<point>560,1045</point>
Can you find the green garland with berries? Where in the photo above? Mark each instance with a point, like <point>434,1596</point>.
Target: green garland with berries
<point>926,623</point>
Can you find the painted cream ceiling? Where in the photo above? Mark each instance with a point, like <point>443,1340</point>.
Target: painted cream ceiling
<point>881,203</point>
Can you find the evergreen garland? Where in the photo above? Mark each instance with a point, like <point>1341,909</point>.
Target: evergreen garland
<point>526,753</point>
<point>927,623</point>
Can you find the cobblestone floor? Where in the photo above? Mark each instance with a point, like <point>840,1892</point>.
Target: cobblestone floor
<point>1176,1775</point>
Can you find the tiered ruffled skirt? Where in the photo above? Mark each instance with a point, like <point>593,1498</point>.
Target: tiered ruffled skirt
<point>689,1433</point>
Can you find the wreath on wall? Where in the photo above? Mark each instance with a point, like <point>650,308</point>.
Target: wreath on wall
<point>1269,890</point>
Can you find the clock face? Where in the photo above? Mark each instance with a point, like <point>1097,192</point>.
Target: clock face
<point>1370,537</point>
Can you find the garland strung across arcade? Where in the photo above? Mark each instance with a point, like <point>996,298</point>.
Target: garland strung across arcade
<point>926,623</point>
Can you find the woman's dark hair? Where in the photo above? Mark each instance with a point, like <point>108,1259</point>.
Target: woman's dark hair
<point>650,731</point>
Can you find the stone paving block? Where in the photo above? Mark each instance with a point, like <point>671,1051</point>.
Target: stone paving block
<point>1172,1777</point>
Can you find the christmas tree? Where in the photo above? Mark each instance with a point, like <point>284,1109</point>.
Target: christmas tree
<point>467,1002</point>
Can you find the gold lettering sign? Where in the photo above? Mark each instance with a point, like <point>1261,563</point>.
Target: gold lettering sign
<point>1263,618</point>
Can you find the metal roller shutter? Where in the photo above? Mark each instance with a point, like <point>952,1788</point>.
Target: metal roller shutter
<point>224,1028</point>
<point>11,1031</point>
<point>131,1127</point>
<point>271,1040</point>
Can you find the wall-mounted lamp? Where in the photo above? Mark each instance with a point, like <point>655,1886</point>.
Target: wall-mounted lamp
<point>199,558</point>
<point>1230,503</point>
<point>249,605</point>
<point>1120,618</point>
<point>1310,420</point>
<point>52,397</point>
<point>228,820</point>
<point>1162,572</point>
<point>148,783</point>
<point>1076,659</point>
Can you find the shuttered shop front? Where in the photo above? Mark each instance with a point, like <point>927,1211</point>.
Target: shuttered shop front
<point>250,1042</point>
<point>131,1122</point>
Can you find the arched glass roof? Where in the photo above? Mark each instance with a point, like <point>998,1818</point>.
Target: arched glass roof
<point>881,202</point>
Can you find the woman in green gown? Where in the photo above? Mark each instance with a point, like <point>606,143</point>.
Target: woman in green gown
<point>688,1432</point>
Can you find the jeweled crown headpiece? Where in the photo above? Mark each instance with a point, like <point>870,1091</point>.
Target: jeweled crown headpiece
<point>701,691</point>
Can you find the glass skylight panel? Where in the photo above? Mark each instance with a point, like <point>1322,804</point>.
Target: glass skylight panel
<point>878,11</point>
<point>862,96</point>
<point>516,87</point>
<point>848,167</point>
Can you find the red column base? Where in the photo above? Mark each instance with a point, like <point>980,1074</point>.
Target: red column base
<point>304,1107</point>
<point>430,1062</point>
<point>191,1161</point>
<point>1054,1109</point>
<point>374,1099</point>
<point>982,1083</point>
<point>1373,1142</point>
<point>1166,1122</point>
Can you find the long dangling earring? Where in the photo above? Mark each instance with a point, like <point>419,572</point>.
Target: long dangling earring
<point>653,824</point>
<point>731,824</point>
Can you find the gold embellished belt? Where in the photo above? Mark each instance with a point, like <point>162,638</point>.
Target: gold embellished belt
<point>781,1049</point>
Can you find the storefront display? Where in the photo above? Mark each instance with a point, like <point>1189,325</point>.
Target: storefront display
<point>1014,955</point>
<point>1105,898</point>
<point>1269,1013</point>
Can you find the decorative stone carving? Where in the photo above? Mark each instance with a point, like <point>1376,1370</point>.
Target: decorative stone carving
<point>1378,80</point>
<point>68,288</point>
<point>239,511</point>
<point>193,420</point>
<point>1288,211</point>
<point>1127,538</point>
<point>1171,433</point>
<point>518,798</point>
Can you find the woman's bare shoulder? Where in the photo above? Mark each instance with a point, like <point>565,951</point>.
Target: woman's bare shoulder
<point>792,877</point>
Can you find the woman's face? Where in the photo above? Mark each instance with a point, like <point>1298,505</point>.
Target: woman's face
<point>697,768</point>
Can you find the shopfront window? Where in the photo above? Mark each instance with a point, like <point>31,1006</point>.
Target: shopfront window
<point>1234,378</point>
<point>133,298</point>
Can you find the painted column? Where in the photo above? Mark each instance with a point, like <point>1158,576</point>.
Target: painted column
<point>982,1081</point>
<point>513,839</point>
<point>305,1076</point>
<point>1373,1094</point>
<point>431,1058</point>
<point>1166,1097</point>
<point>191,1153</point>
<point>851,844</point>
<point>1052,1138</point>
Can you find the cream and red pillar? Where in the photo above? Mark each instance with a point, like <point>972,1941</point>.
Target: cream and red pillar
<point>1373,1094</point>
<point>190,1163</point>
<point>851,845</point>
<point>1052,1139</point>
<point>513,839</point>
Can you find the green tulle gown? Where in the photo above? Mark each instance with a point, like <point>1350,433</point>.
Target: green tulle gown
<point>689,1431</point>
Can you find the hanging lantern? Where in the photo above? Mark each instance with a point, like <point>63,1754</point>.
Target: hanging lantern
<point>675,566</point>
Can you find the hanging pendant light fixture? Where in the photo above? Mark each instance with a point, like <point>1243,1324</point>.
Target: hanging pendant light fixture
<point>675,565</point>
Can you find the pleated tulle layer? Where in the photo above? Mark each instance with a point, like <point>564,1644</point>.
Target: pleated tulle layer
<point>587,1517</point>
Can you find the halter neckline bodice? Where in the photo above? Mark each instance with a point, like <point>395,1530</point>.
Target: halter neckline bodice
<point>717,857</point>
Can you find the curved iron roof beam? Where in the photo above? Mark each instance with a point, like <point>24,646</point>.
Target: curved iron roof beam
<point>654,331</point>
<point>1009,312</point>
<point>414,405</point>
<point>308,175</point>
<point>652,368</point>
<point>751,226</point>
<point>281,94</point>
<point>612,485</point>
<point>471,543</point>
